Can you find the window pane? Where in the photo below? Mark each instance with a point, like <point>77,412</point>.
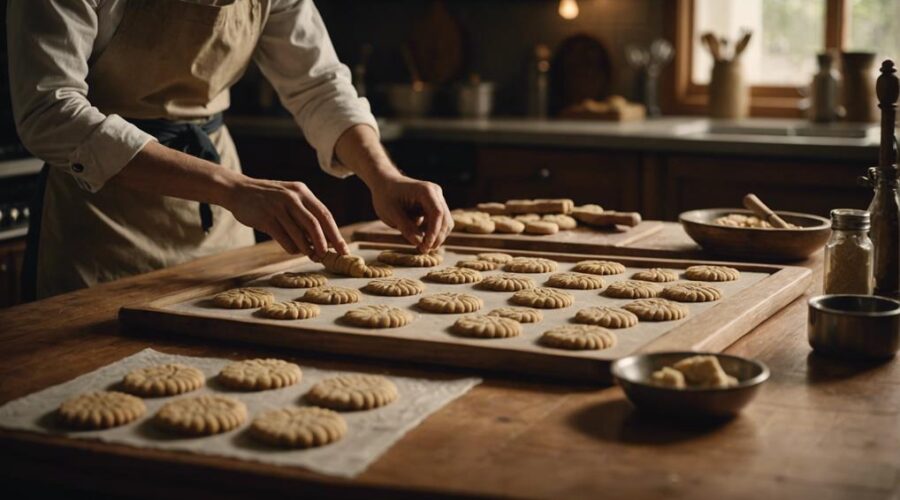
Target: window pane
<point>874,26</point>
<point>787,34</point>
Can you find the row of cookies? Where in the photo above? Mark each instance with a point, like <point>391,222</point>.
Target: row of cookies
<point>208,414</point>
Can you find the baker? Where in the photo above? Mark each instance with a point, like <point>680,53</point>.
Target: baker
<point>123,100</point>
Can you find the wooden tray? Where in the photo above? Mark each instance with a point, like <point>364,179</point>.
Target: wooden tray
<point>582,239</point>
<point>762,290</point>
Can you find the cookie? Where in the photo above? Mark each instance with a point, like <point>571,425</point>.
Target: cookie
<point>563,221</point>
<point>601,267</point>
<point>526,218</point>
<point>378,316</point>
<point>655,275</point>
<point>377,270</point>
<point>506,283</point>
<point>553,205</point>
<point>486,327</point>
<point>578,337</point>
<point>100,410</point>
<point>411,258</point>
<point>298,280</point>
<point>691,292</point>
<point>346,265</point>
<point>331,295</point>
<point>586,213</point>
<point>481,226</point>
<point>544,298</point>
<point>492,208</point>
<point>353,392</point>
<point>304,427</point>
<point>530,265</point>
<point>201,415</point>
<point>290,310</point>
<point>519,206</point>
<point>712,273</point>
<point>454,276</point>
<point>507,225</point>
<point>656,310</point>
<point>498,257</point>
<point>450,303</point>
<point>394,287</point>
<point>520,314</point>
<point>575,281</point>
<point>540,227</point>
<point>478,264</point>
<point>630,289</point>
<point>163,380</point>
<point>607,317</point>
<point>259,374</point>
<point>243,298</point>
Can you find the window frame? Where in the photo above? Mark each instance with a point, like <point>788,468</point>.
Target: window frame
<point>683,96</point>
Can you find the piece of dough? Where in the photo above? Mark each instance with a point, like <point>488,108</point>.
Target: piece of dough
<point>668,377</point>
<point>507,225</point>
<point>411,258</point>
<point>564,222</point>
<point>520,314</point>
<point>100,410</point>
<point>478,264</point>
<point>163,380</point>
<point>486,327</point>
<point>601,267</point>
<point>394,287</point>
<point>492,208</point>
<point>530,265</point>
<point>481,226</point>
<point>450,303</point>
<point>526,218</point>
<point>498,257</point>
<point>378,316</point>
<point>544,298</point>
<point>331,295</point>
<point>202,415</point>
<point>575,281</point>
<point>541,227</point>
<point>607,317</point>
<point>519,206</point>
<point>298,280</point>
<point>704,371</point>
<point>691,292</point>
<point>346,265</point>
<point>655,275</point>
<point>303,427</point>
<point>505,282</point>
<point>656,310</point>
<point>243,298</point>
<point>578,337</point>
<point>712,273</point>
<point>553,205</point>
<point>377,270</point>
<point>353,392</point>
<point>290,310</point>
<point>631,289</point>
<point>259,374</point>
<point>454,276</point>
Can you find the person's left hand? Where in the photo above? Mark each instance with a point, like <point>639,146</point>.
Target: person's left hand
<point>416,208</point>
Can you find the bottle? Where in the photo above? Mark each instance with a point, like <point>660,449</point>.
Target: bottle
<point>825,91</point>
<point>539,82</point>
<point>849,254</point>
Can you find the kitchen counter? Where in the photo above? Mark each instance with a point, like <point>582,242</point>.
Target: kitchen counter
<point>752,137</point>
<point>818,429</point>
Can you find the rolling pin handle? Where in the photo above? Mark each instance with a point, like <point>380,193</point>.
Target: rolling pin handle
<point>755,205</point>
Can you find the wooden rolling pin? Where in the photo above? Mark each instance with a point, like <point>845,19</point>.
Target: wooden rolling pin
<point>609,218</point>
<point>755,205</point>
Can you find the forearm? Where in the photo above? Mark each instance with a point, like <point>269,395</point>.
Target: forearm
<point>360,150</point>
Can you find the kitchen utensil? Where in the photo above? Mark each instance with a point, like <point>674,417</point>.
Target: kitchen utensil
<point>858,95</point>
<point>753,203</point>
<point>776,245</point>
<point>729,94</point>
<point>825,88</point>
<point>475,99</point>
<point>633,374</point>
<point>539,82</point>
<point>581,69</point>
<point>712,44</point>
<point>410,100</point>
<point>742,44</point>
<point>854,326</point>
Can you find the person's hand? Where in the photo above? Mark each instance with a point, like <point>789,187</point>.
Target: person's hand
<point>416,208</point>
<point>288,212</point>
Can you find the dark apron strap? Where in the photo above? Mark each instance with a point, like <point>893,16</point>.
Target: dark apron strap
<point>36,214</point>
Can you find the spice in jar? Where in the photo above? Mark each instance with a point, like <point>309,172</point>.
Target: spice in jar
<point>849,253</point>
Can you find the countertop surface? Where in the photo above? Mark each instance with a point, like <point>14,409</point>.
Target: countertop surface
<point>820,428</point>
<point>783,138</point>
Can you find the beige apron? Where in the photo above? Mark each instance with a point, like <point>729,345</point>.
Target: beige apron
<point>172,60</point>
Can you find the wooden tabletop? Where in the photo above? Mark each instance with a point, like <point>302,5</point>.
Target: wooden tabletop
<point>819,428</point>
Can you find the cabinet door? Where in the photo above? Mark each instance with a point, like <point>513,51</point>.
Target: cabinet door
<point>610,179</point>
<point>815,187</point>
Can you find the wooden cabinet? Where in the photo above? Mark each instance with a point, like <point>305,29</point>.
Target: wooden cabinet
<point>12,253</point>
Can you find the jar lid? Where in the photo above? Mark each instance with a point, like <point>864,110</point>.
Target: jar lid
<point>850,219</point>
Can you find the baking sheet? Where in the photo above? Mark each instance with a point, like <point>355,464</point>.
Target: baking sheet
<point>370,433</point>
<point>435,327</point>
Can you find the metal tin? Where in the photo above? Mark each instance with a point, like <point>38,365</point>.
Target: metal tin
<point>854,326</point>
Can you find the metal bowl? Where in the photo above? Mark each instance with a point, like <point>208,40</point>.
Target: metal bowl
<point>854,326</point>
<point>633,374</point>
<point>773,244</point>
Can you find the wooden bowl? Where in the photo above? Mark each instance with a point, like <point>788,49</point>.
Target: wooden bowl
<point>760,244</point>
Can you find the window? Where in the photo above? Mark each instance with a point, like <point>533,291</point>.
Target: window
<point>787,34</point>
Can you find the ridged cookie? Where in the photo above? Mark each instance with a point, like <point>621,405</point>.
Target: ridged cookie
<point>163,380</point>
<point>378,316</point>
<point>298,280</point>
<point>520,314</point>
<point>578,337</point>
<point>394,287</point>
<point>478,264</point>
<point>530,265</point>
<point>575,281</point>
<point>450,303</point>
<point>498,257</point>
<point>290,310</point>
<point>259,374</point>
<point>100,410</point>
<point>411,258</point>
<point>656,310</point>
<point>506,283</point>
<point>632,289</point>
<point>347,265</point>
<point>243,298</point>
<point>454,276</point>
<point>655,275</point>
<point>353,392</point>
<point>202,415</point>
<point>544,298</point>
<point>712,273</point>
<point>332,295</point>
<point>601,267</point>
<point>692,292</point>
<point>486,327</point>
<point>303,427</point>
<point>607,317</point>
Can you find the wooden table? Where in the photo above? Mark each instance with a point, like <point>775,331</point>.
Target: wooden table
<point>820,428</point>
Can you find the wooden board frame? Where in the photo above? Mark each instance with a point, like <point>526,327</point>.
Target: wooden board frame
<point>712,330</point>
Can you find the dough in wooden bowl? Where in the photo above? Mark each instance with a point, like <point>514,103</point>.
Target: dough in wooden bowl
<point>290,310</point>
<point>486,327</point>
<point>298,280</point>
<point>578,337</point>
<point>331,295</point>
<point>303,427</point>
<point>520,314</point>
<point>454,276</point>
<point>607,317</point>
<point>530,265</point>
<point>100,410</point>
<point>544,298</point>
<point>712,273</point>
<point>575,281</point>
<point>378,316</point>
<point>478,264</point>
<point>450,303</point>
<point>411,258</point>
<point>505,282</point>
<point>656,309</point>
<point>163,380</point>
<point>394,287</point>
<point>691,292</point>
<point>259,374</point>
<point>601,267</point>
<point>353,392</point>
<point>202,415</point>
<point>655,275</point>
<point>541,227</point>
<point>243,298</point>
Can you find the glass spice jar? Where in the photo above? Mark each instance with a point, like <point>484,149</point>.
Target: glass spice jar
<point>849,254</point>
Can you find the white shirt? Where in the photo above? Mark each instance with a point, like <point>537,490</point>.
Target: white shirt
<point>52,44</point>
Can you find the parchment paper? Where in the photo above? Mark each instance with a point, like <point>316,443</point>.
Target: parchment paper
<point>370,433</point>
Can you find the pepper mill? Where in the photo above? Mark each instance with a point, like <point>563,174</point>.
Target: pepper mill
<point>885,206</point>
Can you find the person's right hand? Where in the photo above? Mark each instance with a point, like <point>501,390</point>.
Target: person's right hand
<point>288,212</point>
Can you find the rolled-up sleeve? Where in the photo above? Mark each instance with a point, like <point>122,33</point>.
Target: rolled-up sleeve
<point>50,43</point>
<point>295,54</point>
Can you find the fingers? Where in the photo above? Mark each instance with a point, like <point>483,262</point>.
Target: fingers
<point>329,227</point>
<point>437,217</point>
<point>297,235</point>
<point>278,234</point>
